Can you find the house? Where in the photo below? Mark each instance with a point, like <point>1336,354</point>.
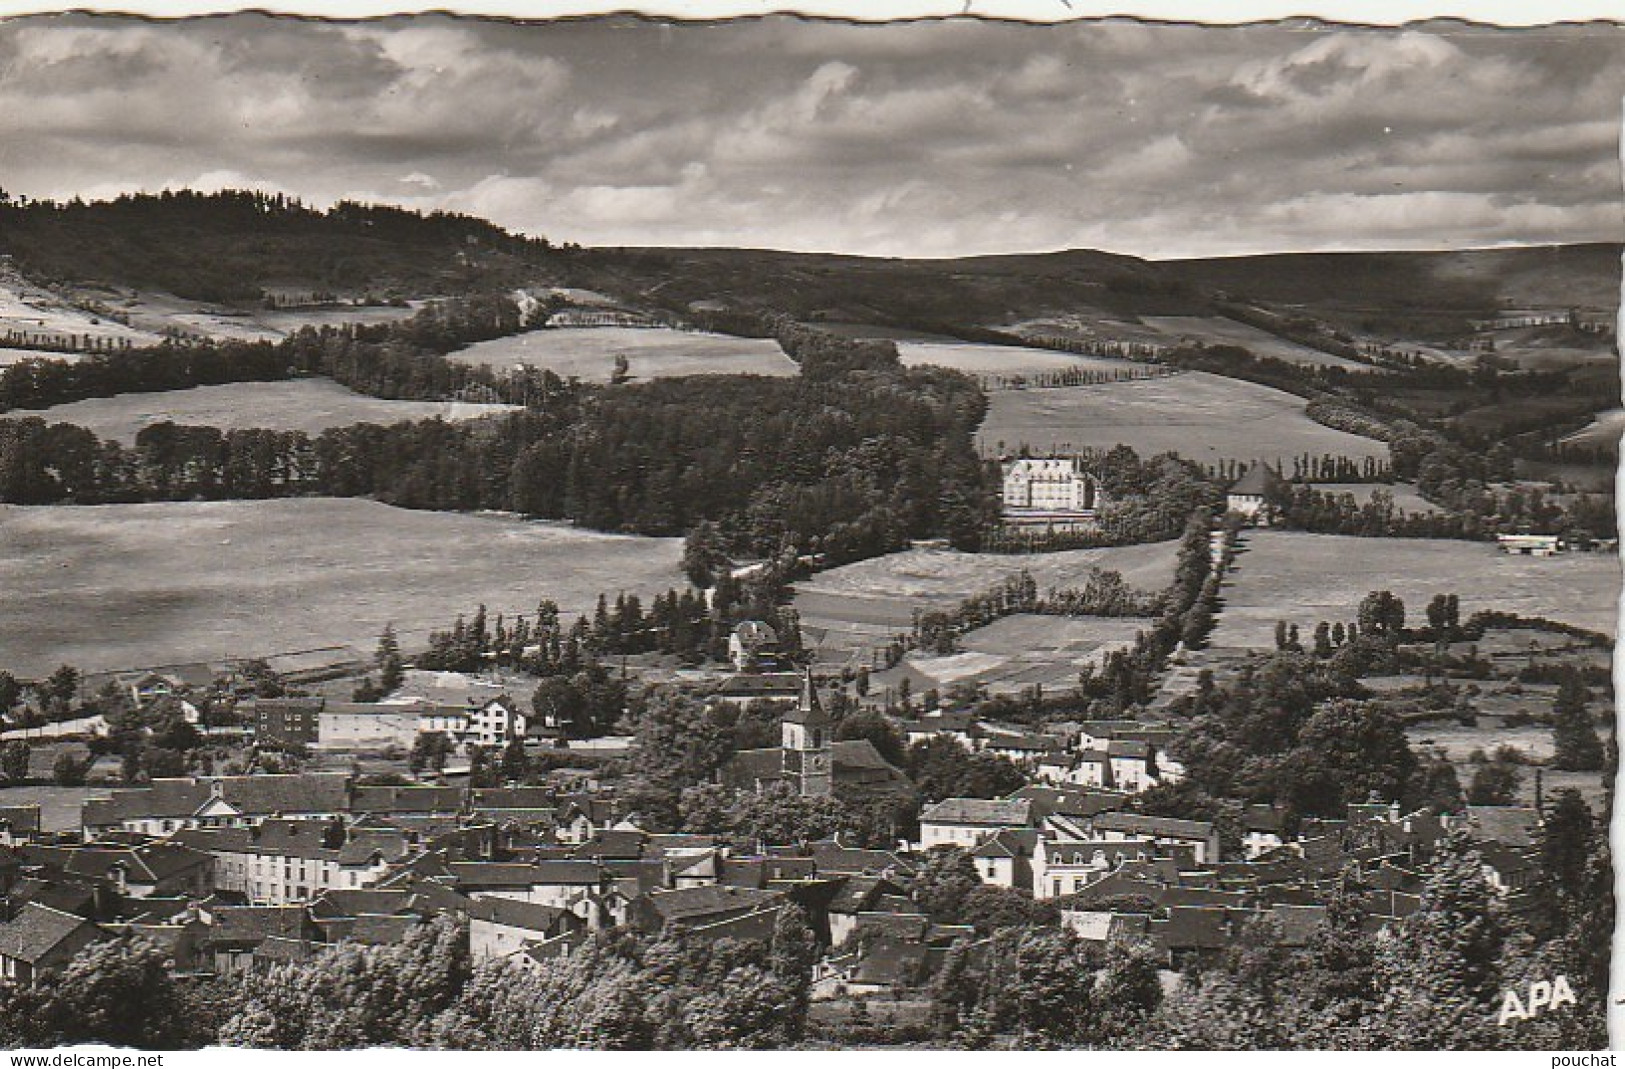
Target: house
<point>744,688</point>
<point>168,805</point>
<point>241,938</point>
<point>39,938</point>
<point>864,896</point>
<point>366,725</point>
<point>502,927</point>
<point>496,723</point>
<point>1133,765</point>
<point>1105,926</point>
<point>19,824</point>
<point>1199,836</point>
<point>1263,829</point>
<point>1249,495</point>
<point>1025,749</point>
<point>144,871</point>
<point>752,646</point>
<point>287,721</point>
<point>1004,859</point>
<point>696,908</point>
<point>1049,486</point>
<point>961,727</point>
<point>278,862</point>
<point>967,821</point>
<point>1530,545</point>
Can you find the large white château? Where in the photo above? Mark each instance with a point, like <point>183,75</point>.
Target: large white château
<point>1045,487</point>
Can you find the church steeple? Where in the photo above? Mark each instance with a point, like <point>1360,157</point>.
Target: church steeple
<point>806,748</point>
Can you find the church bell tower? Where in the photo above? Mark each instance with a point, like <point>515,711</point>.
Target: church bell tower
<point>806,746</point>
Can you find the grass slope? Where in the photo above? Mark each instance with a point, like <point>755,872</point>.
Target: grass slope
<point>588,353</point>
<point>309,405</point>
<point>1306,578</point>
<point>121,586</point>
<point>1202,417</point>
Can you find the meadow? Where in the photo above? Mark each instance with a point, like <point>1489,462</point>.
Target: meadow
<point>855,607</point>
<point>1218,330</point>
<point>1017,652</point>
<point>1405,496</point>
<point>1306,578</point>
<point>309,405</point>
<point>1603,432</point>
<point>588,353</point>
<point>127,586</point>
<point>1202,417</point>
<point>1001,359</point>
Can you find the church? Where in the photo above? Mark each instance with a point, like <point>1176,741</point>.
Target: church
<point>809,758</point>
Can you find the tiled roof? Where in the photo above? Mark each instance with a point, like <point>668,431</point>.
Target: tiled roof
<point>830,856</point>
<point>321,792</point>
<point>254,924</point>
<point>512,913</point>
<point>1509,825</point>
<point>394,799</point>
<point>689,903</point>
<point>21,818</point>
<point>36,930</point>
<point>1140,824</point>
<point>984,812</point>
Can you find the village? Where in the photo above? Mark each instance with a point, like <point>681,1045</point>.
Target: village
<point>530,841</point>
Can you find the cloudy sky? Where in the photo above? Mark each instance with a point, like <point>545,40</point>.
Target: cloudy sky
<point>912,139</point>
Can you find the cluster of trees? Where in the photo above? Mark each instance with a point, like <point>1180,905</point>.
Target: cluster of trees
<point>846,469</point>
<point>231,244</point>
<point>824,356</point>
<point>1290,732</point>
<point>1103,593</point>
<point>403,360</point>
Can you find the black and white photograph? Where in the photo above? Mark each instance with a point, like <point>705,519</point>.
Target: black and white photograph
<point>785,533</point>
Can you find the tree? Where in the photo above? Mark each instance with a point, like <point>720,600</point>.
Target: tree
<point>1576,745</point>
<point>943,881</point>
<point>11,691</point>
<point>70,771</point>
<point>515,765</point>
<point>14,761</point>
<point>874,726</point>
<point>1381,613</point>
<point>1567,837</point>
<point>387,658</point>
<point>1495,783</point>
<point>118,992</point>
<point>704,554</point>
<point>429,751</point>
<point>791,958</point>
<point>62,685</point>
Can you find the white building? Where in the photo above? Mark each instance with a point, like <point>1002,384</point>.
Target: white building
<point>1049,485</point>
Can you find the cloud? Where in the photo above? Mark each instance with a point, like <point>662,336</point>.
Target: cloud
<point>929,139</point>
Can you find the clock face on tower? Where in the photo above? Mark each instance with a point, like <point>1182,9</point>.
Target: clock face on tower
<point>815,763</point>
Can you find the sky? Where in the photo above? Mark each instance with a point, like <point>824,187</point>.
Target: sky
<point>939,138</point>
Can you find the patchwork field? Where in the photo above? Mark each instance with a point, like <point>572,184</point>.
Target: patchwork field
<point>1001,359</point>
<point>1202,417</point>
<point>588,353</point>
<point>861,605</point>
<point>1306,578</point>
<point>127,586</point>
<point>1018,652</point>
<point>309,405</point>
<point>1218,330</point>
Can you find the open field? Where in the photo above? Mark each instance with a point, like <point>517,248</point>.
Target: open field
<point>1202,417</point>
<point>126,586</point>
<point>1001,359</point>
<point>1603,432</point>
<point>1018,652</point>
<point>860,605</point>
<point>32,310</point>
<point>309,405</point>
<point>1219,330</point>
<point>588,353</point>
<point>1306,578</point>
<point>1405,496</point>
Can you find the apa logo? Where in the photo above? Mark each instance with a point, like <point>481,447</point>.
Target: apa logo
<point>1543,995</point>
